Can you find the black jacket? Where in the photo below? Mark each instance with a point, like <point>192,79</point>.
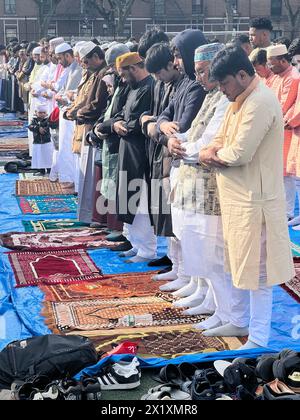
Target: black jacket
<point>35,126</point>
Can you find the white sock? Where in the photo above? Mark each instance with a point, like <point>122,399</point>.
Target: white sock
<point>170,276</point>
<point>138,259</point>
<point>228,330</point>
<point>199,310</point>
<point>187,290</point>
<point>212,322</point>
<point>128,254</point>
<point>174,285</point>
<point>250,346</point>
<point>295,222</point>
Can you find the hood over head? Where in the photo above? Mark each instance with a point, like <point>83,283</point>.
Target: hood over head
<point>186,42</point>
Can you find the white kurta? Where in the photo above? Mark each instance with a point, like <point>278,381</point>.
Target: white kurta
<point>66,158</point>
<point>42,156</point>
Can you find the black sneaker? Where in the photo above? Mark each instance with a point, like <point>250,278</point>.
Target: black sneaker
<point>91,389</point>
<point>70,389</point>
<point>116,377</point>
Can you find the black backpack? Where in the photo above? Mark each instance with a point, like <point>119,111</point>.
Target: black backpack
<point>54,356</point>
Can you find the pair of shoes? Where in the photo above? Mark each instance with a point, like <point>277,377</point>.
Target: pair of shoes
<point>278,390</point>
<point>161,262</point>
<point>166,392</point>
<point>124,247</point>
<point>176,375</point>
<point>88,389</point>
<point>121,376</point>
<point>35,388</point>
<point>208,384</point>
<point>284,366</point>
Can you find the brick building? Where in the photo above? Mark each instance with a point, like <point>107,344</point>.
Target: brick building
<point>20,18</point>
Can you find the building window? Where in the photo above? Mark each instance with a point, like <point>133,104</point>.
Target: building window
<point>10,33</point>
<point>10,7</point>
<point>52,31</point>
<point>197,7</point>
<point>159,8</point>
<point>276,8</point>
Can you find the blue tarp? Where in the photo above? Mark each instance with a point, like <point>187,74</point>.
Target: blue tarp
<point>20,308</point>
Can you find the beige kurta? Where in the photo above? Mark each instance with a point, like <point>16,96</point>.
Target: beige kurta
<point>251,189</point>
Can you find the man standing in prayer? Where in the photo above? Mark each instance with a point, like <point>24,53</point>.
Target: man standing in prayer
<point>132,198</point>
<point>260,33</point>
<point>93,59</point>
<point>65,158</point>
<point>247,153</point>
<point>199,225</point>
<point>285,86</point>
<point>175,119</point>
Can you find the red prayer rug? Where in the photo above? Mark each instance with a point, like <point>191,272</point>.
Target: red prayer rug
<point>53,267</point>
<point>87,238</point>
<point>293,287</point>
<point>110,287</point>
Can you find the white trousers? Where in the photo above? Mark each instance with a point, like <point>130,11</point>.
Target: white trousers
<point>65,159</point>
<point>175,255</point>
<point>141,232</point>
<point>290,194</point>
<point>254,308</point>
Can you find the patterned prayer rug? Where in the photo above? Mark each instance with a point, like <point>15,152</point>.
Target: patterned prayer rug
<point>53,267</point>
<point>293,287</point>
<point>48,205</point>
<point>88,238</point>
<point>110,287</point>
<point>43,187</point>
<point>11,124</point>
<point>55,224</point>
<point>108,313</point>
<point>167,342</point>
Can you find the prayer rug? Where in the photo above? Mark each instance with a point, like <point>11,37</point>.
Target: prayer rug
<point>108,314</point>
<point>55,224</point>
<point>43,187</point>
<point>110,287</point>
<point>11,123</point>
<point>13,147</point>
<point>47,205</point>
<point>52,267</point>
<point>293,287</point>
<point>167,342</point>
<point>88,238</point>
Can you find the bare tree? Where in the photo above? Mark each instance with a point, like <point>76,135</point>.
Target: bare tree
<point>114,12</point>
<point>294,17</point>
<point>46,11</point>
<point>230,11</point>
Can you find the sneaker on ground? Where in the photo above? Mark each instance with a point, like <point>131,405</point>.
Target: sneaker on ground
<point>116,377</point>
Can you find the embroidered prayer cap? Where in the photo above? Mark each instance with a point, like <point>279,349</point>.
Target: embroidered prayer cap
<point>208,52</point>
<point>128,59</point>
<point>78,46</point>
<point>114,52</point>
<point>37,51</point>
<point>86,48</point>
<point>105,46</point>
<point>277,50</point>
<point>42,108</point>
<point>254,54</point>
<point>62,48</point>
<point>56,42</point>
